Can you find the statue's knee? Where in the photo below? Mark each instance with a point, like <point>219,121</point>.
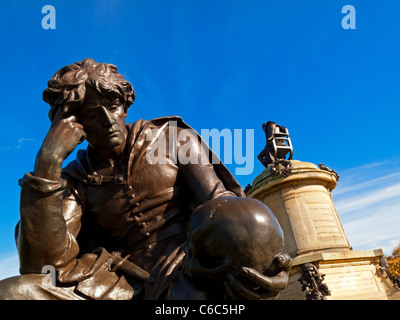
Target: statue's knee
<point>7,286</point>
<point>20,287</point>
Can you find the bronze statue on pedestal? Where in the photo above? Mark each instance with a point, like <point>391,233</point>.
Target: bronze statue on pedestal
<point>115,226</point>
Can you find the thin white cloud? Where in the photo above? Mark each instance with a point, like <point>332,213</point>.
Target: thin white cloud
<point>22,141</point>
<point>359,201</point>
<point>368,203</point>
<point>373,164</point>
<point>19,144</point>
<point>350,186</point>
<point>9,265</point>
<point>375,228</point>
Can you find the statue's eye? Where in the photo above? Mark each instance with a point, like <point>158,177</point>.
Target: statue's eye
<point>91,116</point>
<point>113,108</point>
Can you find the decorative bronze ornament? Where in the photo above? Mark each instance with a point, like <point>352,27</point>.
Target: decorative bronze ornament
<point>324,167</point>
<point>312,282</point>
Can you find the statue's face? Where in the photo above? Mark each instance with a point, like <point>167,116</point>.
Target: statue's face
<point>103,120</point>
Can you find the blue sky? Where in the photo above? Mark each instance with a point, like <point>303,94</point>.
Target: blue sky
<point>224,64</point>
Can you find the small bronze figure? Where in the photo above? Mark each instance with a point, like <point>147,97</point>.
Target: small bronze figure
<point>312,282</point>
<point>277,147</point>
<point>116,226</point>
<point>324,167</point>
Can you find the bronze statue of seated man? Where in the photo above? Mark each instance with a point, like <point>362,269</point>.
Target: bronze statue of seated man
<point>115,225</point>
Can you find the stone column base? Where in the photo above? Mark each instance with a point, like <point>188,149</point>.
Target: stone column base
<point>349,275</point>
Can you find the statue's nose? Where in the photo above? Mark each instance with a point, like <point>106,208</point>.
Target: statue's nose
<point>106,120</point>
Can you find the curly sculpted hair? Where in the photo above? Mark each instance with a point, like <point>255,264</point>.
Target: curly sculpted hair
<point>68,86</point>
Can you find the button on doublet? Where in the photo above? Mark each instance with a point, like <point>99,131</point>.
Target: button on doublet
<point>134,204</point>
<point>148,249</point>
<point>128,191</point>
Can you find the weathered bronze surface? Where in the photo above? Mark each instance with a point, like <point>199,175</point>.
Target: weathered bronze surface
<point>115,226</point>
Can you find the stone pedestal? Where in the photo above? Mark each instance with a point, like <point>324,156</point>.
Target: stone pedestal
<point>302,203</point>
<point>351,275</point>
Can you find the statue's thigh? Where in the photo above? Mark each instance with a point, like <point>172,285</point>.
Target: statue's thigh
<point>35,287</point>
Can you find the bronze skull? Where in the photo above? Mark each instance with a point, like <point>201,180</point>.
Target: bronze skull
<point>228,233</point>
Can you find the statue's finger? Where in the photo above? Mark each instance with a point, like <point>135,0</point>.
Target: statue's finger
<point>275,283</point>
<point>284,261</point>
<point>61,113</point>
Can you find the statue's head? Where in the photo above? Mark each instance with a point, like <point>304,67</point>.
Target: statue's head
<point>68,87</point>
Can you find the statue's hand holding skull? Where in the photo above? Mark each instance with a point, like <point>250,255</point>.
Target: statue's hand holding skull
<point>238,243</point>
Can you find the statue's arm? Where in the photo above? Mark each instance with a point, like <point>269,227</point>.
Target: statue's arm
<point>50,210</point>
<point>50,221</point>
<point>198,172</point>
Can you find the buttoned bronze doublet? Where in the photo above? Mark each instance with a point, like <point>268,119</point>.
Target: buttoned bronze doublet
<point>140,215</point>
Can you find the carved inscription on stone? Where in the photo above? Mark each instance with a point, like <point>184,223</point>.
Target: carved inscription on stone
<point>324,221</point>
<point>352,283</point>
